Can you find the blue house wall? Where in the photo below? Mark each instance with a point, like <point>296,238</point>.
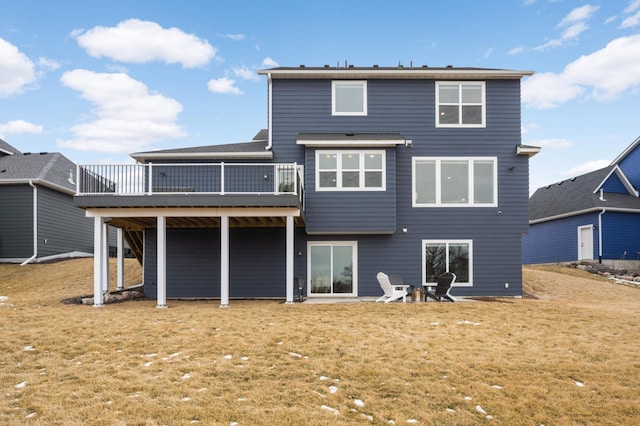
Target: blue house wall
<point>408,107</point>
<point>557,240</point>
<point>614,184</point>
<point>621,238</point>
<point>630,165</point>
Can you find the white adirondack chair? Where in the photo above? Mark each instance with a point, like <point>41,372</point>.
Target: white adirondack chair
<point>391,292</point>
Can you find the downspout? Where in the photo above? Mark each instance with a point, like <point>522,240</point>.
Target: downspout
<point>35,224</point>
<point>269,113</point>
<point>600,235</point>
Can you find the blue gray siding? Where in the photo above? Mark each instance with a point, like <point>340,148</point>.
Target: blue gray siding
<point>257,262</point>
<point>16,221</point>
<point>408,107</point>
<point>62,227</point>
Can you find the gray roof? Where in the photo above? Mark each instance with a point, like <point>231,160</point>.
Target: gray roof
<point>399,71</point>
<point>47,168</point>
<point>6,149</point>
<point>256,148</point>
<point>577,195</point>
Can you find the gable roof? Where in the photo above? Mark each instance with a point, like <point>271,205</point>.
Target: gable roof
<point>48,169</point>
<point>6,149</point>
<point>578,195</point>
<point>626,152</point>
<point>254,150</point>
<point>399,72</point>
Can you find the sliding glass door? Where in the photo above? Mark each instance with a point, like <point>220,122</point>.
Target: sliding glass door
<point>332,268</point>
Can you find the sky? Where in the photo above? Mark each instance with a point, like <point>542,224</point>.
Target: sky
<point>98,80</point>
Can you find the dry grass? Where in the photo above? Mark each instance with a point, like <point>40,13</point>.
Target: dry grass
<point>262,362</point>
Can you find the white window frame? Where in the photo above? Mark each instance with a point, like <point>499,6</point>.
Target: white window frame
<point>438,161</point>
<point>354,267</point>
<point>362,170</point>
<point>337,83</point>
<point>447,242</point>
<point>460,104</point>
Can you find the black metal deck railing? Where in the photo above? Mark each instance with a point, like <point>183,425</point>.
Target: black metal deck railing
<point>218,178</point>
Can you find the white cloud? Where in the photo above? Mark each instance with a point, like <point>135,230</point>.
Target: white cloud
<point>587,167</point>
<point>136,41</point>
<point>19,127</point>
<point>224,85</point>
<point>633,6</point>
<point>603,75</point>
<point>246,73</point>
<point>610,19</point>
<point>128,117</point>
<point>488,52</point>
<point>529,2</point>
<point>234,37</point>
<point>578,14</point>
<point>269,63</point>
<point>552,143</point>
<point>528,128</point>
<point>631,21</point>
<point>572,25</point>
<point>48,64</point>
<point>516,50</point>
<point>16,70</point>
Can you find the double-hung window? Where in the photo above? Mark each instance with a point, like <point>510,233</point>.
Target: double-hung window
<point>350,170</point>
<point>349,97</point>
<point>460,104</point>
<point>455,182</point>
<point>440,256</point>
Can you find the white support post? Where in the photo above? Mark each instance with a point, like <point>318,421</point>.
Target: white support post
<point>105,258</point>
<point>224,261</point>
<point>289,262</point>
<point>162,262</point>
<point>120,263</point>
<point>97,262</point>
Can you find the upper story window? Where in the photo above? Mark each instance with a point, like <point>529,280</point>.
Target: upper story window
<point>350,170</point>
<point>455,182</point>
<point>460,104</point>
<point>349,97</point>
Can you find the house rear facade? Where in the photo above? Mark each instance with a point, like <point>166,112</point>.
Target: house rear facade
<point>410,171</point>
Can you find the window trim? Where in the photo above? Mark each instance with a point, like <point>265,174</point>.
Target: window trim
<point>438,161</point>
<point>361,169</point>
<point>354,267</point>
<point>447,242</point>
<point>337,83</point>
<point>483,123</point>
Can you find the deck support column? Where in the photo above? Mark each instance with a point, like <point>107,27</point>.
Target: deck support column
<point>224,261</point>
<point>162,262</point>
<point>290,260</point>
<point>105,258</point>
<point>98,247</point>
<point>120,262</point>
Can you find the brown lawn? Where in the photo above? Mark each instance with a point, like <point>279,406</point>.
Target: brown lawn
<point>571,356</point>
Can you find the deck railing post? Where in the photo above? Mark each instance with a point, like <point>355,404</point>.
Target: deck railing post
<point>222,178</point>
<point>150,168</point>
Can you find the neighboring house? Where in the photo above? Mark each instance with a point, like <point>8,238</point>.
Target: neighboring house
<point>38,220</point>
<point>410,171</point>
<point>592,216</point>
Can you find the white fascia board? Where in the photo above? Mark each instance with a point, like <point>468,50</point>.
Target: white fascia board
<point>114,212</point>
<point>350,143</point>
<point>627,150</point>
<point>623,178</point>
<point>6,152</point>
<point>40,182</point>
<point>580,212</point>
<point>257,155</point>
<point>400,73</point>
